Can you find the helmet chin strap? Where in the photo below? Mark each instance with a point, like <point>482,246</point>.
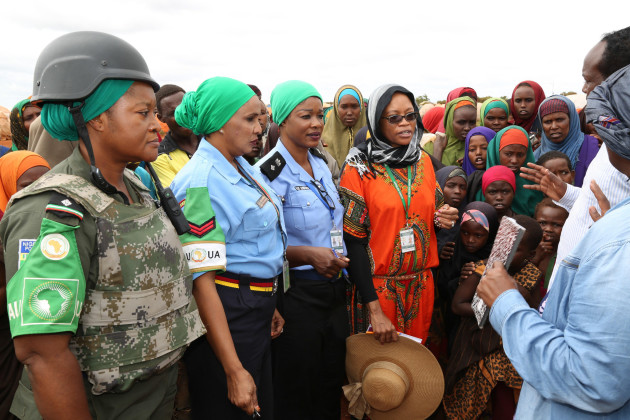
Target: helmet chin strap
<point>98,178</point>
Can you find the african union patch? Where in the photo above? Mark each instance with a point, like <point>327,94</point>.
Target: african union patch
<point>205,256</point>
<point>55,246</point>
<point>50,301</point>
<point>25,247</point>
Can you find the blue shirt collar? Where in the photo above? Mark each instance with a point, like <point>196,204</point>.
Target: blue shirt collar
<point>296,169</point>
<point>221,164</point>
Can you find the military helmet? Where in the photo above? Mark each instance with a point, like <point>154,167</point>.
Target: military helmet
<point>72,66</point>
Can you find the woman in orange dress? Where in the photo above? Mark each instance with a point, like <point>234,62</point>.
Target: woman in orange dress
<point>393,206</point>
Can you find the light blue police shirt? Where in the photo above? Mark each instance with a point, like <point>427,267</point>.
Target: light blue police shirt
<point>307,219</point>
<point>253,239</point>
<point>575,359</point>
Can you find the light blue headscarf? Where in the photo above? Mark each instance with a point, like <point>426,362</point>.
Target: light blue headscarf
<point>572,144</point>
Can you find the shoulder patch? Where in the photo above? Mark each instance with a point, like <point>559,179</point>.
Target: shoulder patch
<point>315,152</point>
<point>64,207</point>
<point>273,166</point>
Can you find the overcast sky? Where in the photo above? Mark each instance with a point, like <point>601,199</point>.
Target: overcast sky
<point>428,47</point>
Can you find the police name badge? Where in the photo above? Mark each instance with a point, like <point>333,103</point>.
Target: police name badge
<point>262,201</point>
<point>407,240</point>
<point>336,241</point>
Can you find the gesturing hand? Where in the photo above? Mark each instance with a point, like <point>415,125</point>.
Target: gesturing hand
<point>603,202</point>
<point>544,180</point>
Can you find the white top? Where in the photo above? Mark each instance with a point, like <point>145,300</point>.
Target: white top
<point>577,201</point>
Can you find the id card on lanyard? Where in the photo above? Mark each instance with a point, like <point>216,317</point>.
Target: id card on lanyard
<point>336,235</point>
<point>261,203</point>
<point>407,240</point>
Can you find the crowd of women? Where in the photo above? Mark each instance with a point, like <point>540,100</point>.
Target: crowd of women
<point>280,259</point>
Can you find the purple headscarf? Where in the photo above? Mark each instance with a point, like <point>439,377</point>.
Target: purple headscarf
<point>477,131</point>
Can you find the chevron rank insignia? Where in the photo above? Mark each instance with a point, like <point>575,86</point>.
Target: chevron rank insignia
<point>202,229</point>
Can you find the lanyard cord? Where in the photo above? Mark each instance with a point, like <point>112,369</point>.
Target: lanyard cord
<point>408,203</point>
<point>319,196</point>
<point>266,194</point>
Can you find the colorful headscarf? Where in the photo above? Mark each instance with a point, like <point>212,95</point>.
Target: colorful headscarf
<point>454,148</point>
<point>487,133</point>
<point>215,101</point>
<point>608,107</point>
<point>19,135</point>
<point>492,103</point>
<point>525,200</point>
<point>477,217</point>
<point>443,175</point>
<point>12,167</point>
<point>432,119</point>
<point>340,138</point>
<point>498,173</point>
<point>377,148</point>
<point>572,143</point>
<point>539,96</point>
<point>454,94</point>
<point>58,121</point>
<point>286,96</point>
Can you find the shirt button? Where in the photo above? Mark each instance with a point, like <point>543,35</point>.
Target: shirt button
<point>265,223</point>
<point>308,204</point>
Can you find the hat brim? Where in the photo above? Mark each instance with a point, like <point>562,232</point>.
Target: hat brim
<point>426,387</point>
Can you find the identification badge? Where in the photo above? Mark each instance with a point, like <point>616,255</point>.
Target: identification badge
<point>262,201</point>
<point>407,240</point>
<point>336,240</point>
<point>286,279</point>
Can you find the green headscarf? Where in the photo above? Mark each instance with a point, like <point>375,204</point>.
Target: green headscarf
<point>215,101</point>
<point>19,135</point>
<point>58,121</point>
<point>454,147</point>
<point>524,200</point>
<point>286,96</point>
<point>492,103</point>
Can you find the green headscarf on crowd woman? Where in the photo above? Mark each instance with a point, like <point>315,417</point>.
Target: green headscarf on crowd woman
<point>215,101</point>
<point>524,200</point>
<point>19,135</point>
<point>454,147</point>
<point>340,139</point>
<point>58,121</point>
<point>492,103</point>
<point>286,96</point>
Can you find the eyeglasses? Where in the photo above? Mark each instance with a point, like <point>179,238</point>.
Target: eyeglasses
<point>396,119</point>
<point>324,194</point>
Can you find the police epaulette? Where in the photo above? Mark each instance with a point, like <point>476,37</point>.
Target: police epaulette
<point>273,166</point>
<point>316,152</point>
<point>64,206</point>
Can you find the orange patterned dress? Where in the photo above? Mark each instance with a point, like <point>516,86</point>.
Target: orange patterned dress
<point>374,213</point>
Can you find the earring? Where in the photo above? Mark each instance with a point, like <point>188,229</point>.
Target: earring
<point>221,131</point>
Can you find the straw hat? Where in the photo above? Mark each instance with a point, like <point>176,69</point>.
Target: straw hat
<point>400,380</point>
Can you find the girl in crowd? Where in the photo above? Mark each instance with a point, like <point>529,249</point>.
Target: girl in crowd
<point>479,224</point>
<point>494,113</point>
<point>479,370</point>
<point>17,170</point>
<point>526,98</point>
<point>498,186</point>
<point>393,205</point>
<point>511,147</point>
<point>22,115</point>
<point>453,181</point>
<point>551,218</point>
<point>460,116</point>
<point>558,164</point>
<point>236,247</point>
<point>309,356</point>
<point>476,148</point>
<point>348,117</point>
<point>561,132</point>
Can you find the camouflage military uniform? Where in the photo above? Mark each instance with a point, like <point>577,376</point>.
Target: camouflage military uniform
<point>112,274</point>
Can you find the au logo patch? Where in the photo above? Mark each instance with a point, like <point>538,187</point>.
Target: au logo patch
<point>202,229</point>
<point>50,301</point>
<point>198,255</point>
<point>55,246</point>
